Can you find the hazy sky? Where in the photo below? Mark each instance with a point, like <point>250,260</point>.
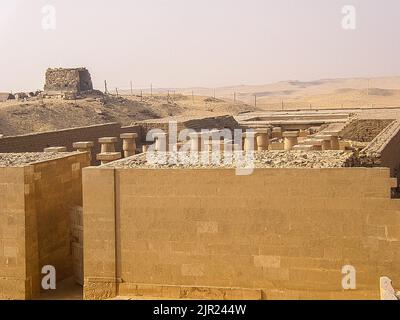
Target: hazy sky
<point>182,43</point>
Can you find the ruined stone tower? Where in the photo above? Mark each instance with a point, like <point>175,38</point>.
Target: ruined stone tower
<point>72,80</point>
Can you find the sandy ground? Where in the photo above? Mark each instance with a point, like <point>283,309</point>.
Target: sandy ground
<point>18,117</point>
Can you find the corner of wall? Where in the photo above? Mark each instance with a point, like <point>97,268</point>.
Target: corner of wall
<point>100,280</point>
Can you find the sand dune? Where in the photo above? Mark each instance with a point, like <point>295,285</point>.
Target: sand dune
<point>324,93</point>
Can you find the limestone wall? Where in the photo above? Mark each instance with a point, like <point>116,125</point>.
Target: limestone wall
<point>35,203</point>
<point>207,233</point>
<point>13,280</point>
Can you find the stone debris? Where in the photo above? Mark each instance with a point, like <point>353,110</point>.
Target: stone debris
<point>22,159</point>
<point>263,159</point>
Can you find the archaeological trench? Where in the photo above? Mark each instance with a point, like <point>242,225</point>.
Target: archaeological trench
<point>322,195</point>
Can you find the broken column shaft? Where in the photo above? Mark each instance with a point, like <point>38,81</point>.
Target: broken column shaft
<point>108,144</point>
<point>250,142</point>
<point>108,153</point>
<point>161,139</point>
<point>84,146</point>
<point>195,141</point>
<point>290,139</point>
<point>262,139</point>
<point>129,144</point>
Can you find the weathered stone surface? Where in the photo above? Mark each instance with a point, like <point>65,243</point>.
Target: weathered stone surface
<point>21,159</point>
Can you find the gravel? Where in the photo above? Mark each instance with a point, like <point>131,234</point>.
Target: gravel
<point>265,159</point>
<point>21,159</point>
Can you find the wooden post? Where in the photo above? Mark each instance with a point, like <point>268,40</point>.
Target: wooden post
<point>141,95</point>
<point>116,90</point>
<point>105,87</point>
<point>131,89</point>
<point>151,90</point>
<point>255,101</point>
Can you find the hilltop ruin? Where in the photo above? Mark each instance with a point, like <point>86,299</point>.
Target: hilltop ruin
<point>72,80</point>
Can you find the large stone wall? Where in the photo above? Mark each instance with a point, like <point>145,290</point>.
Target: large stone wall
<point>35,204</point>
<point>68,80</point>
<point>207,233</point>
<point>36,142</point>
<point>13,281</point>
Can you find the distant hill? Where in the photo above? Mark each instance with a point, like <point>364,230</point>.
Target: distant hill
<point>324,93</point>
<point>35,115</point>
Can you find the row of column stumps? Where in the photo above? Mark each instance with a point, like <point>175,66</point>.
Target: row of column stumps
<point>107,153</point>
<point>200,141</point>
<point>254,140</point>
<point>259,140</point>
<point>326,140</point>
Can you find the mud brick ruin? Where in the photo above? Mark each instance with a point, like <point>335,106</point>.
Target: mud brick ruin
<point>73,80</point>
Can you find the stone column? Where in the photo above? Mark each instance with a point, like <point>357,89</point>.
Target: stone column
<point>129,144</point>
<point>84,146</point>
<point>290,139</point>
<point>108,144</point>
<point>55,149</point>
<point>262,139</point>
<point>205,137</point>
<point>161,142</point>
<point>107,157</point>
<point>215,141</point>
<point>250,142</point>
<point>195,141</point>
